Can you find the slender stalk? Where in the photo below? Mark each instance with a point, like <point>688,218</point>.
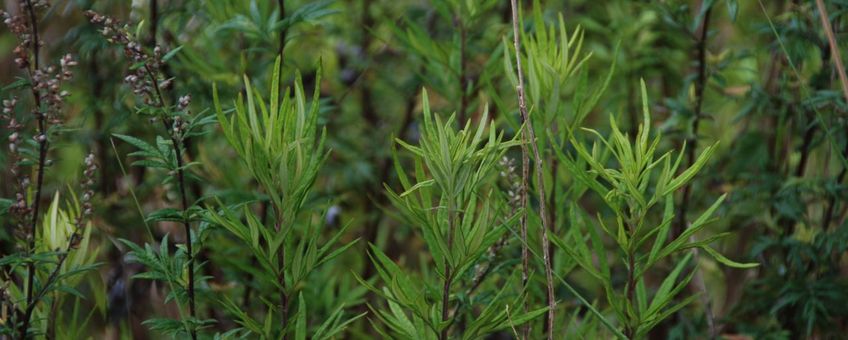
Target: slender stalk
<point>680,225</point>
<point>700,85</point>
<point>530,138</point>
<point>154,22</point>
<point>51,280</point>
<point>834,47</point>
<point>629,329</point>
<point>463,78</point>
<point>177,144</point>
<point>187,227</point>
<point>448,276</point>
<point>248,289</point>
<point>366,102</point>
<point>281,4</point>
<point>53,277</point>
<point>100,137</point>
<point>831,204</point>
<point>42,156</point>
<point>525,248</point>
<point>281,276</point>
<point>805,150</point>
<point>281,253</point>
<point>843,80</point>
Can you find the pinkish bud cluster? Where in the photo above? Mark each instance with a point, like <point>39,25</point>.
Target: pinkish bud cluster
<point>49,98</point>
<point>178,126</point>
<point>144,80</point>
<point>47,82</point>
<point>20,26</point>
<point>87,185</point>
<point>15,139</point>
<point>184,102</point>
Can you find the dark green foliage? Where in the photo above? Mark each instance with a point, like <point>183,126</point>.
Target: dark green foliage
<point>363,169</point>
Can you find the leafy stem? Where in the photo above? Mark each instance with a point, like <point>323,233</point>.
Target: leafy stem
<point>177,143</point>
<point>443,335</point>
<point>700,85</point>
<point>530,138</point>
<point>281,275</point>
<point>42,157</point>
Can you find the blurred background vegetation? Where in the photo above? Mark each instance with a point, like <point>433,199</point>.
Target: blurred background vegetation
<point>758,77</point>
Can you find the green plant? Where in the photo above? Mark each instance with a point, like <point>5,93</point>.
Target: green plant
<point>452,202</point>
<point>148,81</point>
<point>283,150</point>
<point>53,252</point>
<point>235,220</point>
<point>640,181</point>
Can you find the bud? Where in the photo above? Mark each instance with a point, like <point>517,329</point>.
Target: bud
<point>185,101</point>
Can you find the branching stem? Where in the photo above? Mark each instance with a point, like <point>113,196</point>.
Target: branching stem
<point>177,144</point>
<point>530,138</point>
<point>41,134</point>
<point>700,86</point>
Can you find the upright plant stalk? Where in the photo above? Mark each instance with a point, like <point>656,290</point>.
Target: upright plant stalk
<point>73,242</point>
<point>629,329</point>
<point>366,101</point>
<point>153,95</point>
<point>181,186</point>
<point>177,143</point>
<point>154,22</point>
<point>831,204</point>
<point>700,85</point>
<point>834,47</point>
<point>284,158</point>
<point>448,276</point>
<point>525,248</point>
<point>281,4</point>
<point>843,80</point>
<point>463,81</point>
<point>281,277</point>
<point>281,254</point>
<point>530,138</point>
<point>42,156</point>
<point>680,225</point>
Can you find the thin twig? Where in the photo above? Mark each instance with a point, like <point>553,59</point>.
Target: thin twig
<point>530,138</point>
<point>463,81</point>
<point>834,47</point>
<point>281,276</point>
<point>51,279</point>
<point>448,276</point>
<point>42,156</point>
<point>831,204</point>
<point>177,144</point>
<point>284,32</point>
<point>700,85</point>
<point>629,329</point>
